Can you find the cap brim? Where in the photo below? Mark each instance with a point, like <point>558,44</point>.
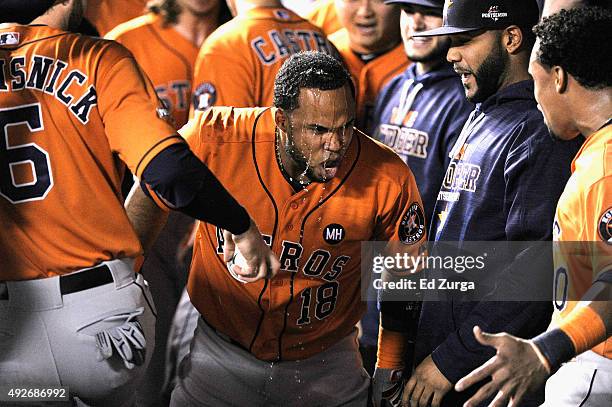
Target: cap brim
<point>445,31</point>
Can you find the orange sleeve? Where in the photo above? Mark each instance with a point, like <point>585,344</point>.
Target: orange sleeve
<point>598,221</point>
<point>391,349</point>
<point>403,218</point>
<point>130,111</point>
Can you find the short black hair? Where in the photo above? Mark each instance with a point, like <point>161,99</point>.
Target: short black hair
<point>578,40</point>
<point>311,70</point>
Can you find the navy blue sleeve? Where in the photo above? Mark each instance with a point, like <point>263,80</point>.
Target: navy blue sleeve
<point>187,185</point>
<point>536,171</point>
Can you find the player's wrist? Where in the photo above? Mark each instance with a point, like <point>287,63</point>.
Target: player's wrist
<point>553,348</point>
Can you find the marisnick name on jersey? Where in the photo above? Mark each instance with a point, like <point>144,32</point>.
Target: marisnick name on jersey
<point>42,73</point>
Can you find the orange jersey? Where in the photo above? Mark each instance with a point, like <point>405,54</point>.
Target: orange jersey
<point>107,14</point>
<point>238,62</point>
<point>325,16</point>
<point>151,43</point>
<point>369,77</point>
<point>316,232</point>
<point>584,214</point>
<point>72,106</point>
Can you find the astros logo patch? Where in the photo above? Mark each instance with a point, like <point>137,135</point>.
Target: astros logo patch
<point>333,233</point>
<point>605,226</point>
<point>412,227</point>
<point>204,96</point>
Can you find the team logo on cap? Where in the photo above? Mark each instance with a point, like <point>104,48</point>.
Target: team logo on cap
<point>605,226</point>
<point>412,227</point>
<point>9,38</point>
<point>204,96</point>
<point>494,13</point>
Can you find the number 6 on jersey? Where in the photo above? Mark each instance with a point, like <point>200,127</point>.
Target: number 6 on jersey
<point>25,169</point>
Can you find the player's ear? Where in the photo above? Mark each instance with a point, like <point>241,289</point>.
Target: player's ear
<point>561,78</point>
<point>512,38</point>
<point>281,121</point>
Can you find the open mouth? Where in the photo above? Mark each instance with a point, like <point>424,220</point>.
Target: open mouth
<point>331,168</point>
<point>465,75</point>
<point>366,28</point>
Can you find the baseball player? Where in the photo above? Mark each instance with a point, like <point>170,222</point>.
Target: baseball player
<point>171,32</point>
<point>421,112</point>
<point>324,15</point>
<point>584,214</point>
<point>370,44</point>
<point>504,177</point>
<point>72,310</point>
<point>237,64</point>
<point>292,340</point>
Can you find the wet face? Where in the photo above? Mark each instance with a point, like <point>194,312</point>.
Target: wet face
<point>315,137</point>
<point>481,61</point>
<point>371,24</point>
<point>199,7</point>
<point>415,19</point>
<point>549,100</point>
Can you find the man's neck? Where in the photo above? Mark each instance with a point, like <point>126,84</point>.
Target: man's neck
<point>591,109</point>
<point>57,17</point>
<point>242,6</point>
<point>195,28</point>
<point>425,67</point>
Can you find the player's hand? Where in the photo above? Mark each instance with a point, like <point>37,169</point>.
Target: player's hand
<point>387,385</point>
<point>261,262</point>
<point>427,386</point>
<point>515,370</point>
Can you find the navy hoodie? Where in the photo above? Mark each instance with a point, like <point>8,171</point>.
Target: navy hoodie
<point>420,117</point>
<point>503,183</point>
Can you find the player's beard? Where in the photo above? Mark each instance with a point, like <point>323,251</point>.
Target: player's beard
<point>490,74</point>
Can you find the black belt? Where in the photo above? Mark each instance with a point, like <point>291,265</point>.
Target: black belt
<point>84,280</point>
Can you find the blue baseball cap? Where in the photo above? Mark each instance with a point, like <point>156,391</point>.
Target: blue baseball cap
<point>461,16</point>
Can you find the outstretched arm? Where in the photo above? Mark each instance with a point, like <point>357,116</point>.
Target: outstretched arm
<point>522,366</point>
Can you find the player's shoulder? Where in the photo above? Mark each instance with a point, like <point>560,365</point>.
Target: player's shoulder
<point>380,161</point>
<point>594,161</point>
<point>95,51</point>
<point>132,28</point>
<point>229,124</point>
